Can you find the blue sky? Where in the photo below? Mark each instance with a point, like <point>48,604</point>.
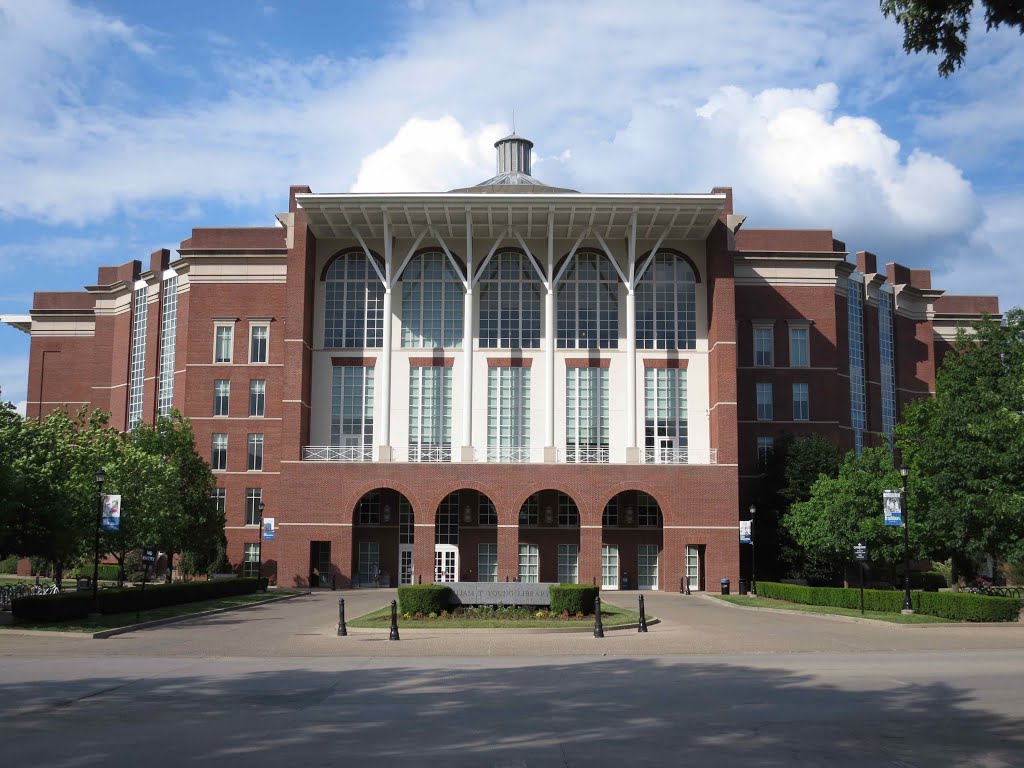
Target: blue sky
<point>125,124</point>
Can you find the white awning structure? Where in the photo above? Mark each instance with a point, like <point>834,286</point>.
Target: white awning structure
<point>669,217</point>
<point>22,322</point>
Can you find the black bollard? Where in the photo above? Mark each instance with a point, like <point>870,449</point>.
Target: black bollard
<point>394,621</point>
<point>642,626</point>
<point>342,629</point>
<point>598,627</point>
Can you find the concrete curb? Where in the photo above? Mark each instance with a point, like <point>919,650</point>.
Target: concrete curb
<point>102,635</point>
<point>865,619</point>
<point>501,631</point>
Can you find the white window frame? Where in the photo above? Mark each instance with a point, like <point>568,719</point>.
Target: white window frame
<point>762,362</point>
<point>666,304</point>
<point>230,326</point>
<point>350,387</point>
<point>644,555</point>
<point>799,352</point>
<point>508,414</point>
<point>168,335</point>
<point>430,300</point>
<point>666,415</point>
<point>594,413</point>
<point>610,566</point>
<point>257,397</point>
<point>253,497</point>
<point>765,401</point>
<point>430,413</point>
<point>136,386</point>
<point>223,452</point>
<point>222,397</point>
<point>591,302</point>
<point>801,402</point>
<point>509,306</point>
<point>568,563</point>
<point>220,499</point>
<point>253,327</point>
<point>254,454</point>
<point>350,279</point>
<point>487,562</point>
<point>368,561</point>
<point>529,563</point>
<point>251,558</point>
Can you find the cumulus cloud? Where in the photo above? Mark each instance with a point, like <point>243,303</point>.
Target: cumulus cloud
<point>21,407</point>
<point>14,375</point>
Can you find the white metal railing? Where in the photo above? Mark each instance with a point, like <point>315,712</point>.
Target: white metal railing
<point>422,453</point>
<point>337,453</point>
<point>680,456</point>
<point>588,454</point>
<point>510,455</point>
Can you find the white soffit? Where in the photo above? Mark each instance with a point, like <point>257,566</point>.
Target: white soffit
<point>22,322</point>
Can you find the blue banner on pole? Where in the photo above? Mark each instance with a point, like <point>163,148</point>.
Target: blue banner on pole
<point>111,519</point>
<point>268,529</point>
<point>891,504</point>
<point>745,532</point>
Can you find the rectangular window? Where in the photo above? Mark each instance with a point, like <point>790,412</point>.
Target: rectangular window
<point>406,525</point>
<point>799,346</point>
<point>488,515</point>
<point>219,451</point>
<point>168,334</point>
<point>369,509</point>
<point>508,414</point>
<point>765,446</point>
<point>694,567</point>
<point>138,356</point>
<point>259,338</point>
<point>764,343</point>
<point>855,325</point>
<point>647,566</point>
<point>257,397</point>
<point>369,562</point>
<point>220,499</point>
<point>610,516</point>
<point>251,560</point>
<point>568,513</point>
<point>647,511</point>
<point>430,413</point>
<point>665,407</point>
<point>487,562</point>
<point>764,401</point>
<point>609,566</point>
<point>253,497</point>
<point>529,513</point>
<point>529,560</point>
<point>801,405</point>
<point>255,453</point>
<point>586,417</point>
<point>886,364</point>
<point>352,410</point>
<point>568,563</point>
<point>224,335</point>
<point>221,397</point>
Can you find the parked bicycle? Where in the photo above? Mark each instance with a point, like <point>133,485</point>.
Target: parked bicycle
<point>8,593</point>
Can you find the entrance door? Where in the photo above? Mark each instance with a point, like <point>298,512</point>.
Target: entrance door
<point>319,563</point>
<point>695,567</point>
<point>609,566</point>
<point>666,450</point>
<point>446,563</point>
<point>405,563</point>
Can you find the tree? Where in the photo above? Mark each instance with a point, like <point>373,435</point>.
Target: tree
<point>965,449</point>
<point>942,25</point>
<point>842,511</point>
<point>11,491</point>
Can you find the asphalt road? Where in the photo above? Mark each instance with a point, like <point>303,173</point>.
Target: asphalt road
<point>259,688</point>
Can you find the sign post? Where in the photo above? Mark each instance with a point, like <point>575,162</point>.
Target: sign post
<point>860,554</point>
<point>148,559</point>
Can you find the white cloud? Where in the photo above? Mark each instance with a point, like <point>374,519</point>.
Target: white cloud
<point>21,407</point>
<point>14,375</point>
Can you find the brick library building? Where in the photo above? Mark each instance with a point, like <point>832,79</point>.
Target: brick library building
<point>509,381</point>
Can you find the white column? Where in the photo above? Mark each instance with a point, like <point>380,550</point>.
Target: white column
<point>384,386</point>
<point>550,451</point>
<point>632,454</point>
<point>467,348</point>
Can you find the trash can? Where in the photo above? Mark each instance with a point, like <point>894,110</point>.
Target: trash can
<point>744,585</point>
<point>725,586</point>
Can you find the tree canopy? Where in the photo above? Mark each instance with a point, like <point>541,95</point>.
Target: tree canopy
<point>941,26</point>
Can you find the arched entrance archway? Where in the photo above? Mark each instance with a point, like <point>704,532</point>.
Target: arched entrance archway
<point>632,537</point>
<point>549,538</point>
<point>382,539</point>
<point>466,538</point>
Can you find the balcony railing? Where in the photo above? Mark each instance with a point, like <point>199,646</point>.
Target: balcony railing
<point>586,454</point>
<point>680,456</point>
<point>337,453</point>
<point>510,455</point>
<point>422,453</point>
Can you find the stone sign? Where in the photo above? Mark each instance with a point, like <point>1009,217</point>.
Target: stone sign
<point>500,593</point>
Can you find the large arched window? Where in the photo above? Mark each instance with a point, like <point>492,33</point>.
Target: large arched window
<point>588,304</point>
<point>432,302</point>
<point>666,304</point>
<point>354,303</point>
<point>509,303</point>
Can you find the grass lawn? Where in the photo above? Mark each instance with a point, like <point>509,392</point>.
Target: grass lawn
<point>895,618</point>
<point>114,620</point>
<point>611,616</point>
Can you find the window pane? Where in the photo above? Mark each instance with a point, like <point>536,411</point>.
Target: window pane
<point>219,451</point>
<point>353,304</point>
<point>509,303</point>
<point>257,397</point>
<point>588,303</point>
<point>222,352</point>
<point>221,397</point>
<point>666,305</point>
<point>258,343</point>
<point>256,452</point>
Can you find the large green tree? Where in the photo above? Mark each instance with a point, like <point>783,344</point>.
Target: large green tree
<point>845,510</point>
<point>941,26</point>
<point>965,448</point>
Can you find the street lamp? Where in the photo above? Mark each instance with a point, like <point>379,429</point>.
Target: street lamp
<point>101,478</point>
<point>908,606</point>
<point>259,541</point>
<point>753,553</point>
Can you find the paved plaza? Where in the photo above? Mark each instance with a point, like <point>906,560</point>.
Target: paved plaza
<point>710,685</point>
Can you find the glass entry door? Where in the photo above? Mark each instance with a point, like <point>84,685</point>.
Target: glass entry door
<point>405,563</point>
<point>609,566</point>
<point>446,563</point>
<point>695,567</point>
<point>647,566</point>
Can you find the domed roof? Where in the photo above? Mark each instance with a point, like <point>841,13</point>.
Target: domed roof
<point>514,154</point>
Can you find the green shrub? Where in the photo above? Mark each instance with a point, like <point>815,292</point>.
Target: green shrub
<point>76,605</point>
<point>574,598</point>
<point>423,598</point>
<point>9,564</point>
<point>947,605</point>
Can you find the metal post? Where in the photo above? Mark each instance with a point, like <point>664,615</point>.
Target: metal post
<point>860,565</point>
<point>598,627</point>
<point>101,477</point>
<point>394,621</point>
<point>908,606</point>
<point>259,542</point>
<point>642,626</point>
<point>342,629</point>
<point>753,552</point>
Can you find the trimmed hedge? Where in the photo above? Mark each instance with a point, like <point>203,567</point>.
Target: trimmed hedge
<point>948,605</point>
<point>9,564</point>
<point>423,598</point>
<point>78,605</point>
<point>573,598</point>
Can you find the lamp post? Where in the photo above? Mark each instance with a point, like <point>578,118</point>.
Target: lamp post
<point>753,553</point>
<point>908,606</point>
<point>101,477</point>
<point>259,540</point>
